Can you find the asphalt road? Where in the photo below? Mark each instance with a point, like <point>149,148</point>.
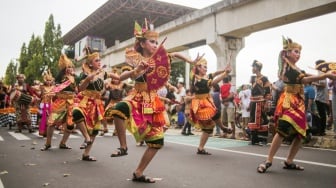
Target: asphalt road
<point>232,164</point>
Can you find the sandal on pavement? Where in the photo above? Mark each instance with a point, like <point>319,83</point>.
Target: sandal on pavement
<point>88,158</point>
<point>263,167</point>
<point>227,130</point>
<point>46,147</point>
<point>64,146</point>
<point>143,179</point>
<point>292,166</point>
<point>103,132</point>
<point>120,153</point>
<point>85,144</point>
<point>141,143</point>
<point>202,152</point>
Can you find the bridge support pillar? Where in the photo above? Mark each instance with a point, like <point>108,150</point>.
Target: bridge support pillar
<point>226,50</point>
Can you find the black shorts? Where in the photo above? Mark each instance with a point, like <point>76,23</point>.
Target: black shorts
<point>286,130</point>
<point>156,144</point>
<point>216,116</point>
<point>77,117</point>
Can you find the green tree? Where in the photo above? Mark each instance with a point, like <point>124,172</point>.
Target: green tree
<point>52,45</point>
<point>41,54</point>
<point>10,74</point>
<point>35,52</point>
<point>33,71</point>
<point>23,59</point>
<point>177,71</point>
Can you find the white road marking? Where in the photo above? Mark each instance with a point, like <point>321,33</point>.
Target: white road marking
<point>73,136</point>
<point>109,134</point>
<point>1,185</point>
<point>321,149</point>
<point>1,139</point>
<point>36,133</point>
<point>19,136</point>
<point>264,156</point>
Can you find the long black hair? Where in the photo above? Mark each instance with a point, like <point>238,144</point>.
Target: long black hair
<point>193,88</point>
<point>60,75</point>
<point>137,45</point>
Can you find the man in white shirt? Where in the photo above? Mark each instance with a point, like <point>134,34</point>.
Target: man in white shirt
<point>179,94</point>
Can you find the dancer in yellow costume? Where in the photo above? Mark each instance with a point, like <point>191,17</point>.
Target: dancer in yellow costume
<point>89,110</point>
<point>290,115</point>
<point>62,103</point>
<point>142,112</point>
<point>203,110</point>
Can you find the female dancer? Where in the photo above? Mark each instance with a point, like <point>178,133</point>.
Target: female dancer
<point>142,112</point>
<point>89,110</point>
<point>116,89</point>
<point>290,110</point>
<point>45,105</point>
<point>203,110</point>
<point>61,111</point>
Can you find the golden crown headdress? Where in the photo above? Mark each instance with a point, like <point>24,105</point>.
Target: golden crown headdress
<point>36,82</point>
<point>47,76</point>
<point>202,62</point>
<point>146,31</point>
<point>288,44</point>
<point>90,56</point>
<point>257,64</point>
<point>64,62</point>
<point>20,76</point>
<point>126,68</point>
<point>114,70</point>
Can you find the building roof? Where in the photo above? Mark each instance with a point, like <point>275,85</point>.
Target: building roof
<point>115,19</point>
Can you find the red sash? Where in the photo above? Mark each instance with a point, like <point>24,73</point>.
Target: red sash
<point>160,69</point>
<point>60,87</point>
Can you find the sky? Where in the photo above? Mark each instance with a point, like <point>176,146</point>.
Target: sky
<point>317,35</point>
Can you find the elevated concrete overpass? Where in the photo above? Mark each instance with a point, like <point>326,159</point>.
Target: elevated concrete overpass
<point>224,25</point>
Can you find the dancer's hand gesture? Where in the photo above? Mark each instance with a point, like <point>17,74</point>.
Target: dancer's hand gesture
<point>228,68</point>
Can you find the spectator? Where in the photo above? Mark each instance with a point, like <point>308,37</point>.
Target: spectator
<point>228,111</point>
<point>186,102</point>
<point>244,96</point>
<point>179,94</point>
<point>311,112</point>
<point>321,101</point>
<point>332,83</point>
<point>217,101</point>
